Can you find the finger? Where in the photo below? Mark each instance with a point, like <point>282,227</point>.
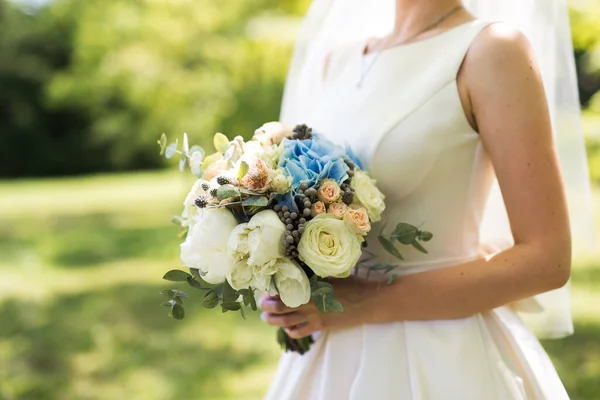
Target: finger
<point>285,320</point>
<point>275,306</point>
<point>301,331</point>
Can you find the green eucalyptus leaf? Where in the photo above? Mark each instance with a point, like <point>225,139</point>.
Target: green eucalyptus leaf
<point>220,142</point>
<point>183,162</point>
<point>392,278</point>
<point>177,220</point>
<point>389,247</point>
<point>243,312</point>
<point>197,149</point>
<point>176,275</point>
<point>230,306</point>
<point>227,191</point>
<point>418,246</point>
<point>229,293</point>
<point>168,303</point>
<point>195,273</point>
<point>333,304</point>
<point>162,142</point>
<point>179,293</point>
<point>178,300</point>
<point>243,170</point>
<point>171,149</point>
<point>425,236</point>
<point>195,283</point>
<point>255,201</point>
<point>168,292</point>
<point>211,299</point>
<point>321,291</point>
<point>382,267</point>
<point>177,311</point>
<point>185,147</point>
<point>405,233</point>
<point>253,305</point>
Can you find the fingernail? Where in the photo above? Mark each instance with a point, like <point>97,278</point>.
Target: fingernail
<point>263,316</point>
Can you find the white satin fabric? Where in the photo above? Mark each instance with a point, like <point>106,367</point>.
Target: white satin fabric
<point>407,125</point>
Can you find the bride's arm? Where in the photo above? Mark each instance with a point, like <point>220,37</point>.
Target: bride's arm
<point>510,110</point>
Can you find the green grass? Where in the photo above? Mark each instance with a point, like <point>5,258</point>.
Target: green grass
<point>80,267</point>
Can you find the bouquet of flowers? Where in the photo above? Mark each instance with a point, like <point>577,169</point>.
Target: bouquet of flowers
<point>279,213</point>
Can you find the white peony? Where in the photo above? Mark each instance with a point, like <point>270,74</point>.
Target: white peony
<point>367,195</point>
<point>328,247</point>
<point>205,247</point>
<point>259,240</point>
<point>292,283</point>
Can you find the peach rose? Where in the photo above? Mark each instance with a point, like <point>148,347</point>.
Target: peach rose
<point>317,208</point>
<point>337,210</point>
<point>357,219</point>
<point>214,169</point>
<point>329,191</point>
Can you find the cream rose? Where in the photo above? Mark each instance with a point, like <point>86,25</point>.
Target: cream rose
<point>205,247</point>
<point>259,241</point>
<point>337,210</point>
<point>292,283</point>
<point>357,219</point>
<point>279,182</point>
<point>329,191</point>
<point>271,133</point>
<point>328,247</point>
<point>317,208</point>
<point>367,195</point>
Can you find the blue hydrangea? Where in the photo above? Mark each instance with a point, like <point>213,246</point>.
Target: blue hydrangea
<point>311,160</point>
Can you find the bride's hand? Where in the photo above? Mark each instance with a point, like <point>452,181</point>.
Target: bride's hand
<point>305,320</point>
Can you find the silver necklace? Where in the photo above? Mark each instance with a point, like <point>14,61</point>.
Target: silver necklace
<point>364,71</point>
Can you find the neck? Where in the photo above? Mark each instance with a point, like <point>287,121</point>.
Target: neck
<point>416,13</point>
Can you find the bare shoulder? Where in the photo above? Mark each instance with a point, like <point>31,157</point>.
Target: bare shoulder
<point>500,54</point>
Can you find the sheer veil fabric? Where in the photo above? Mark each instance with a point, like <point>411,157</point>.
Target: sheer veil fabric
<point>332,23</point>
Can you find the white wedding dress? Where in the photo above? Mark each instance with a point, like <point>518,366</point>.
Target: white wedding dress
<point>407,124</point>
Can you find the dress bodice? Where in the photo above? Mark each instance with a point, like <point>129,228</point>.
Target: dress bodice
<point>407,125</point>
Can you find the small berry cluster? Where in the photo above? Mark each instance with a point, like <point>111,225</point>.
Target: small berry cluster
<point>202,200</point>
<point>347,191</point>
<point>294,220</point>
<point>301,132</point>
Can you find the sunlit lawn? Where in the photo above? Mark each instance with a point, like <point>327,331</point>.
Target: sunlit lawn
<point>80,267</point>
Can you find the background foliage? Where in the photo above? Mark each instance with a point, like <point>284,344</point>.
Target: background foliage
<point>88,86</point>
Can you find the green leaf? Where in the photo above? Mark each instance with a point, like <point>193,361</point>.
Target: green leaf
<point>185,147</point>
<point>321,291</point>
<point>405,233</point>
<point>179,293</point>
<point>392,278</point>
<point>195,149</point>
<point>162,142</point>
<point>183,162</point>
<point>253,305</point>
<point>211,159</point>
<point>230,306</point>
<point>227,191</point>
<point>333,304</point>
<point>178,300</point>
<point>193,282</point>
<point>211,299</point>
<point>177,311</point>
<point>389,247</point>
<point>177,220</point>
<point>176,275</point>
<point>418,246</point>
<point>168,292</point>
<point>229,294</point>
<point>255,201</point>
<point>220,142</point>
<point>171,149</point>
<point>425,236</point>
<point>243,170</point>
<point>382,267</point>
<point>243,312</point>
<point>168,303</point>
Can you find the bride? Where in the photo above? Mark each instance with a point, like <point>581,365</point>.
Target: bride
<point>443,109</point>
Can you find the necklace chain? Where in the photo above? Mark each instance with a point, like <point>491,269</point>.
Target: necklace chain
<point>364,72</point>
